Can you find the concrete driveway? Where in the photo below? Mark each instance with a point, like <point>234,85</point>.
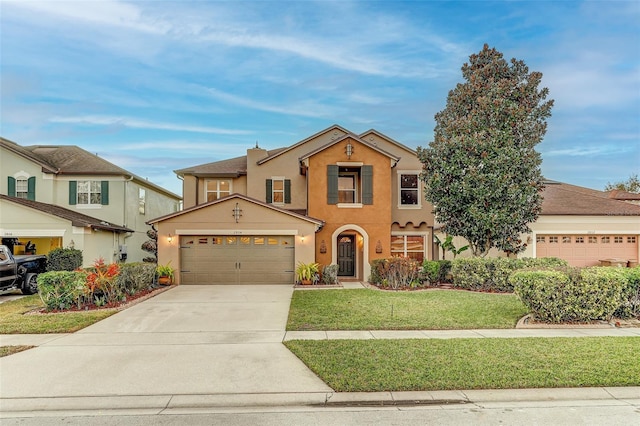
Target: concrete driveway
<point>188,340</point>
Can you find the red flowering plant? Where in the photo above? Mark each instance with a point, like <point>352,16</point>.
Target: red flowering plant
<point>102,285</point>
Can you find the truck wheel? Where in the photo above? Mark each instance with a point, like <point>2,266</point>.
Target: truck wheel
<point>30,284</point>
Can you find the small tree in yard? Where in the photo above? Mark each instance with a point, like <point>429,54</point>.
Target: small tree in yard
<point>481,171</point>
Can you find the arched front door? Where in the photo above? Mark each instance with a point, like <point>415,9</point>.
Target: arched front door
<point>346,255</point>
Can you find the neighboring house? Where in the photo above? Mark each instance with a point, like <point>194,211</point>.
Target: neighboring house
<point>582,226</point>
<point>104,208</point>
<point>333,198</point>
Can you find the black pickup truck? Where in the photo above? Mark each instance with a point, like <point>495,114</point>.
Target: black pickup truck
<point>20,272</point>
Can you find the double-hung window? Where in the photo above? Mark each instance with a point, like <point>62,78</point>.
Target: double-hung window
<point>142,200</point>
<point>89,192</point>
<point>278,190</point>
<point>349,185</point>
<point>21,188</point>
<point>409,189</point>
<point>217,188</point>
<point>21,185</point>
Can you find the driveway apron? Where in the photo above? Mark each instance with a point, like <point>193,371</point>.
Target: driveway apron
<point>188,340</point>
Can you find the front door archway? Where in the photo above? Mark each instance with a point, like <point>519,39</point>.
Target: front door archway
<point>363,255</point>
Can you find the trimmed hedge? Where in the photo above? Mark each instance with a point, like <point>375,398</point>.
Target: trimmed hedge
<point>135,277</point>
<point>63,289</point>
<point>630,305</point>
<point>492,274</point>
<point>64,259</point>
<point>571,294</point>
<point>435,271</point>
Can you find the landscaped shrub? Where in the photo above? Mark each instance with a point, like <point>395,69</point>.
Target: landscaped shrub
<point>330,274</point>
<point>376,268</point>
<point>444,273</point>
<point>135,277</point>
<point>62,289</point>
<point>102,282</point>
<point>430,272</point>
<point>64,259</point>
<point>492,274</point>
<point>570,294</point>
<point>630,304</point>
<point>396,272</point>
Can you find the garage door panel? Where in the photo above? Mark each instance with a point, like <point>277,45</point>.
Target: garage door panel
<point>587,250</point>
<point>237,259</point>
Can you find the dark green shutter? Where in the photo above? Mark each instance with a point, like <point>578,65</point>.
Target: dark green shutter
<point>31,188</point>
<point>73,192</point>
<point>287,191</point>
<point>104,192</point>
<point>11,190</point>
<point>332,184</point>
<point>367,184</point>
<point>269,194</point>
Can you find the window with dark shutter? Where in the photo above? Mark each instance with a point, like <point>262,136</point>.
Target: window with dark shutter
<point>332,184</point>
<point>269,194</point>
<point>367,184</point>
<point>287,191</point>
<point>104,192</point>
<point>31,188</point>
<point>11,186</point>
<point>73,192</point>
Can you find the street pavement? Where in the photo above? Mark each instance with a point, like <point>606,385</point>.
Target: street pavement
<point>209,348</point>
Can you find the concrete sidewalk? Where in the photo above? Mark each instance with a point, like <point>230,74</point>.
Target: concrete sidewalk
<point>274,336</point>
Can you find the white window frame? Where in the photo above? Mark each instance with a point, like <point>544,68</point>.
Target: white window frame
<point>217,190</point>
<point>425,240</point>
<point>419,189</point>
<point>274,191</point>
<point>90,192</point>
<point>356,184</point>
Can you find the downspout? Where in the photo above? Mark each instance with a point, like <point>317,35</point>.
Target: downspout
<point>124,211</point>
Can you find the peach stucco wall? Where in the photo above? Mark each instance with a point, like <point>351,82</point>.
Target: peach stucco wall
<point>374,220</point>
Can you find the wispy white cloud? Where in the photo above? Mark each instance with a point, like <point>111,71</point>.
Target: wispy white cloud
<point>308,108</point>
<point>105,120</point>
<point>580,151</point>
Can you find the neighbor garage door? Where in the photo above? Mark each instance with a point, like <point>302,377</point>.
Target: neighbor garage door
<point>587,250</point>
<point>251,259</point>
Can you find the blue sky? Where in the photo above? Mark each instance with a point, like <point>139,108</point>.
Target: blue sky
<point>156,86</point>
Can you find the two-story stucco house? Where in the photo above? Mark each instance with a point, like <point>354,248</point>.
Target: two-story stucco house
<point>335,197</point>
<point>61,196</point>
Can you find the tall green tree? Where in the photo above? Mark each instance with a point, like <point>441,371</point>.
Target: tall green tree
<point>482,172</point>
<point>630,185</point>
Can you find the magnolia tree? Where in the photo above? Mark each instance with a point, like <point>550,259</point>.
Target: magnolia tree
<point>482,172</point>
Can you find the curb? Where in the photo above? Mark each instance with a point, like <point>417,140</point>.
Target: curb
<point>182,404</point>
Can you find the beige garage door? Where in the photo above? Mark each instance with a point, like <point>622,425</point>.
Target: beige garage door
<point>251,259</point>
<point>587,250</point>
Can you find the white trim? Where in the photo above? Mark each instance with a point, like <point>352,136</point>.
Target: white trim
<point>349,164</point>
<point>349,205</point>
<point>366,268</point>
<point>21,174</point>
<point>399,187</point>
<point>204,187</point>
<point>88,206</point>
<point>16,233</point>
<point>236,232</point>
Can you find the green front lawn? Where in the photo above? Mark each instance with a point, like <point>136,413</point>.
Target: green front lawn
<point>434,364</point>
<point>14,321</point>
<point>409,310</point>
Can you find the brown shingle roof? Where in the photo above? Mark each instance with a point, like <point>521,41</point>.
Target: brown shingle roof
<point>76,219</point>
<point>73,160</point>
<point>617,194</point>
<point>564,199</point>
<point>232,167</point>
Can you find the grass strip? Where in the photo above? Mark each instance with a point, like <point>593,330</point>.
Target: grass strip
<point>419,310</point>
<point>10,350</point>
<point>426,364</point>
<point>13,318</point>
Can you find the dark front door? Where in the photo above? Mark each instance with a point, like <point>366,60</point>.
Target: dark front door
<point>346,256</point>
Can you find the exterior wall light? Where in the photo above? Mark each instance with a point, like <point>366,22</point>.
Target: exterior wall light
<point>170,238</point>
<point>349,150</point>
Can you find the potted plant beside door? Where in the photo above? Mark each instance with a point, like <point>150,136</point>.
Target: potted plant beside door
<point>307,273</point>
<point>165,274</point>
